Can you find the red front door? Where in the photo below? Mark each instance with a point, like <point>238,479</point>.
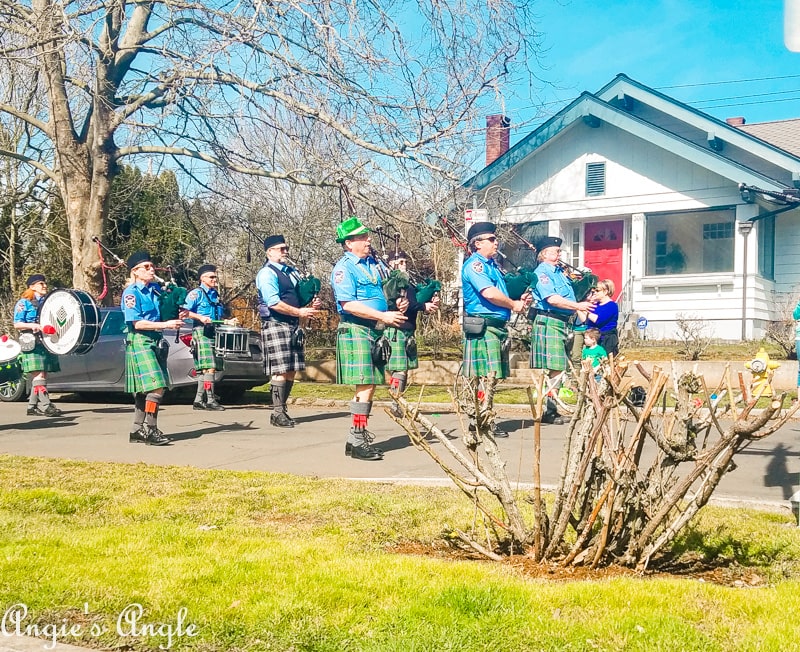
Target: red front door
<point>602,251</point>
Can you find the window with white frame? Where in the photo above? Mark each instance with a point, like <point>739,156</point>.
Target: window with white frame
<point>690,242</point>
<point>765,228</point>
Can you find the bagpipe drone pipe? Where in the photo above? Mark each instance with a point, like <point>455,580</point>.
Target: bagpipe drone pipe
<point>582,280</point>
<point>171,297</point>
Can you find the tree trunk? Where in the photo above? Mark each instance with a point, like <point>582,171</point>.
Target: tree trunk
<point>87,209</point>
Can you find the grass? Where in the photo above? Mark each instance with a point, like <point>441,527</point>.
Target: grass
<point>432,394</point>
<point>276,562</point>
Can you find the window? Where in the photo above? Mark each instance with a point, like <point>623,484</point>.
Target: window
<point>595,179</point>
<point>113,324</point>
<point>693,242</point>
<point>766,247</point>
<point>575,247</point>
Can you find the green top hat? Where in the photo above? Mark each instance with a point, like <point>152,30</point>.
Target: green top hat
<point>349,228</point>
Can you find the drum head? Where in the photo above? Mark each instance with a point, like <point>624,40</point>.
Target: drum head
<point>9,349</point>
<point>76,320</point>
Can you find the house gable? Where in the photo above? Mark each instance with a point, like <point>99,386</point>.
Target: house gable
<point>653,117</point>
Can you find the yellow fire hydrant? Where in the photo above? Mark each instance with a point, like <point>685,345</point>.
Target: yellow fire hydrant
<point>761,368</point>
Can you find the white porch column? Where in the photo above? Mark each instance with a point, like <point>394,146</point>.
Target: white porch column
<point>746,263</point>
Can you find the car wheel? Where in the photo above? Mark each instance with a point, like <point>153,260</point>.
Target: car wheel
<point>13,390</point>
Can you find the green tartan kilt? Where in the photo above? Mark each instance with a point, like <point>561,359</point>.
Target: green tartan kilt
<point>400,360</point>
<point>549,344</point>
<point>40,359</point>
<point>143,371</point>
<point>354,356</point>
<point>204,351</point>
<point>486,354</point>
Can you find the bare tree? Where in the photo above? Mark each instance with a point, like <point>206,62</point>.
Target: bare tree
<point>631,476</point>
<point>182,81</point>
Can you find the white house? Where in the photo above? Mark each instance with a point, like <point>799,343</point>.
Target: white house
<point>645,190</point>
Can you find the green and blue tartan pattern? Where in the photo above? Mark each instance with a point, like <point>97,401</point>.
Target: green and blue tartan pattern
<point>354,364</point>
<point>40,359</point>
<point>143,372</point>
<point>484,355</point>
<point>204,351</point>
<point>549,344</point>
<point>399,360</point>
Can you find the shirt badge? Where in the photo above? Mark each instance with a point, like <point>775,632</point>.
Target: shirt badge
<point>338,276</point>
<point>20,305</point>
<point>192,295</point>
<point>477,266</point>
<point>130,301</point>
<point>544,278</point>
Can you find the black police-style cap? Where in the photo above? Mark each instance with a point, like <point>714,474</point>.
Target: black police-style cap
<point>138,257</point>
<point>204,269</point>
<point>479,228</point>
<point>33,279</point>
<point>273,241</point>
<point>548,241</point>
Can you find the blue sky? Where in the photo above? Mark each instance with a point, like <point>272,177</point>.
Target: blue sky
<point>711,54</point>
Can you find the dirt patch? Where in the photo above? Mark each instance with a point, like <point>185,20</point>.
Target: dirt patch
<point>722,572</point>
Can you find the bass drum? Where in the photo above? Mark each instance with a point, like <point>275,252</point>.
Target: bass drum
<point>74,317</point>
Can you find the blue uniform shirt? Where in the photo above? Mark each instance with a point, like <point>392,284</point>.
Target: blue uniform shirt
<point>358,279</point>
<point>477,274</point>
<point>140,301</point>
<point>205,303</point>
<point>551,280</point>
<point>25,312</point>
<point>267,282</point>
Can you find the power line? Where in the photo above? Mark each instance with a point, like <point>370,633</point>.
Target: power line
<point>732,81</point>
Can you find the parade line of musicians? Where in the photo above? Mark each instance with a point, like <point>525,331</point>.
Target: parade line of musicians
<point>375,335</point>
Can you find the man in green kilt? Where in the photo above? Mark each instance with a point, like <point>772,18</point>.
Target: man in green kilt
<point>402,339</point>
<point>487,308</point>
<point>145,350</point>
<point>555,308</point>
<point>37,362</point>
<point>363,312</point>
<point>204,308</point>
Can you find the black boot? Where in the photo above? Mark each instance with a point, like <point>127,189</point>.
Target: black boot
<point>551,414</point>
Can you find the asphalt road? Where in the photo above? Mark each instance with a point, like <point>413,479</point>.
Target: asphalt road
<point>241,438</point>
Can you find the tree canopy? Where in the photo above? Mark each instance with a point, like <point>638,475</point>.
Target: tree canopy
<point>388,86</point>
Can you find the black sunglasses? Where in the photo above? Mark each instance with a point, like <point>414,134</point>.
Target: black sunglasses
<point>491,238</point>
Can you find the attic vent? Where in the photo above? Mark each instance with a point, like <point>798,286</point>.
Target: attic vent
<point>595,179</point>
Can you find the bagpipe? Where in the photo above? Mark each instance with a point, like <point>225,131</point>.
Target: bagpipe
<point>395,285</point>
<point>581,279</point>
<point>518,279</point>
<point>395,282</point>
<point>308,285</point>
<point>171,297</point>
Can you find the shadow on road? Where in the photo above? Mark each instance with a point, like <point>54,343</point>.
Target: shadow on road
<point>211,430</point>
<point>321,416</point>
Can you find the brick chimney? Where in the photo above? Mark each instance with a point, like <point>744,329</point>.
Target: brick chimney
<point>496,136</point>
<point>735,122</point>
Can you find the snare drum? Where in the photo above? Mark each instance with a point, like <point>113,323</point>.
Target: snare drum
<point>10,370</point>
<point>232,340</point>
<point>76,320</point>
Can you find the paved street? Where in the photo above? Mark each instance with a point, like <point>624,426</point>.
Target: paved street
<point>241,438</point>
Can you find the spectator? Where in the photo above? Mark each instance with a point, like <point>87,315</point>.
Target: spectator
<point>605,316</point>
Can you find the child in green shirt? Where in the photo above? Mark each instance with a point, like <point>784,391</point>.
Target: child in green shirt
<point>591,349</point>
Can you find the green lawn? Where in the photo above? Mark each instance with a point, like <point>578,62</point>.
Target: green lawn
<point>276,562</point>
